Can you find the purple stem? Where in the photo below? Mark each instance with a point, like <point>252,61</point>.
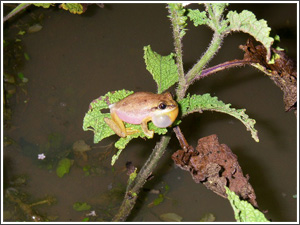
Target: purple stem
<point>219,67</point>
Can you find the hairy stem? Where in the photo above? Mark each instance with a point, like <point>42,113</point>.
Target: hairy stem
<point>178,49</point>
<point>219,67</point>
<point>135,186</point>
<point>16,10</point>
<point>198,67</point>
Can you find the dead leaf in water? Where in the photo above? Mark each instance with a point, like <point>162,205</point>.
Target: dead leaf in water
<point>35,28</point>
<point>207,217</point>
<point>81,146</point>
<point>170,217</point>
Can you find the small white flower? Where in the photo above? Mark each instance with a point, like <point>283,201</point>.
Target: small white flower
<point>41,156</point>
<point>92,213</point>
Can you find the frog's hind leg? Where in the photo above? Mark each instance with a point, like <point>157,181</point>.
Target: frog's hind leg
<point>117,125</point>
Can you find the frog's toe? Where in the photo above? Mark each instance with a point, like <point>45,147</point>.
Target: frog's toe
<point>130,130</point>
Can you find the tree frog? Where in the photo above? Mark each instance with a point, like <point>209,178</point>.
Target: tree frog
<point>140,108</point>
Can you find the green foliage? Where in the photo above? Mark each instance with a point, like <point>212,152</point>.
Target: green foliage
<point>162,68</point>
<point>243,210</point>
<point>197,103</point>
<point>86,219</point>
<point>63,167</point>
<point>81,206</point>
<point>44,5</point>
<point>161,197</point>
<point>133,175</point>
<point>158,200</point>
<point>218,8</point>
<point>22,32</point>
<point>74,8</point>
<point>246,22</point>
<point>198,18</point>
<point>26,56</point>
<point>177,17</point>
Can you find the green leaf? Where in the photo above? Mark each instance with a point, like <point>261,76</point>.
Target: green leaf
<point>22,32</point>
<point>247,22</point>
<point>26,56</point>
<point>81,206</point>
<point>198,18</point>
<point>158,200</point>
<point>133,175</point>
<point>21,75</point>
<point>162,68</point>
<point>74,8</point>
<point>243,210</point>
<point>63,167</point>
<point>86,219</point>
<point>44,5</point>
<point>197,103</point>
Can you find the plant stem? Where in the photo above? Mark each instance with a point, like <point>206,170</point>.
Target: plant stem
<point>178,49</point>
<point>220,67</point>
<point>198,67</point>
<point>16,10</point>
<point>135,186</point>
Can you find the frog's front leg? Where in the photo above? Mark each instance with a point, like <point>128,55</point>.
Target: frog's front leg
<point>117,125</point>
<point>145,129</point>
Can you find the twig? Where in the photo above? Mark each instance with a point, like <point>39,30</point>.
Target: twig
<point>135,186</point>
<point>16,10</point>
<point>220,67</point>
<point>178,49</point>
<point>213,48</point>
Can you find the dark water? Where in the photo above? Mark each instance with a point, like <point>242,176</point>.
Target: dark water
<point>76,58</point>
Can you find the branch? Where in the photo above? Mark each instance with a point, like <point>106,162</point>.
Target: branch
<point>219,67</point>
<point>178,23</point>
<point>135,186</point>
<point>213,48</point>
<point>16,10</point>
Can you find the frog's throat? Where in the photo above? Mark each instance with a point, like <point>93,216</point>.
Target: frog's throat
<point>166,119</point>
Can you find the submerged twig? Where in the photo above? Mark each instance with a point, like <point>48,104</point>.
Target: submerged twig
<point>16,10</point>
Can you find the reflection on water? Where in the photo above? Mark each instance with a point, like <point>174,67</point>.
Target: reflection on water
<point>76,58</point>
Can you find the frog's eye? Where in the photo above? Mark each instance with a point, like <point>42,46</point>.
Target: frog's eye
<point>162,106</point>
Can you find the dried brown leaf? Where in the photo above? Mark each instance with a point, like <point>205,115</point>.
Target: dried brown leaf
<point>215,166</point>
<point>283,71</point>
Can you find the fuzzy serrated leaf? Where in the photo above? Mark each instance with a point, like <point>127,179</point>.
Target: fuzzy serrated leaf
<point>243,210</point>
<point>197,103</point>
<point>162,68</point>
<point>198,18</point>
<point>75,8</point>
<point>247,22</point>
<point>44,5</point>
